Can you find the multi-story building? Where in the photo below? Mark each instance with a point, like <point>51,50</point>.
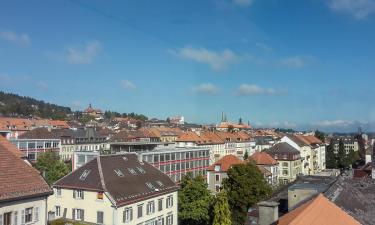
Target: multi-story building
<point>79,140</point>
<point>349,144</point>
<point>115,189</point>
<point>166,134</point>
<point>177,162</point>
<point>289,159</point>
<point>263,142</point>
<point>36,141</point>
<point>264,160</point>
<point>218,171</point>
<point>96,113</point>
<point>23,192</point>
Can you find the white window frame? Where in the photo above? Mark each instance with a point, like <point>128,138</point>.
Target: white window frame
<point>128,214</point>
<point>169,201</point>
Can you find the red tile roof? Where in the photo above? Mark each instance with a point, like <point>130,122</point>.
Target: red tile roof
<point>319,211</point>
<point>225,163</point>
<point>18,180</point>
<point>263,158</point>
<point>189,137</point>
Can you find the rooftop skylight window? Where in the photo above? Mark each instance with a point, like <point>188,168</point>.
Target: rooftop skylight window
<point>84,174</point>
<point>119,173</point>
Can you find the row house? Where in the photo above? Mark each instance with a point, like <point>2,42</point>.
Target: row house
<point>289,161</point>
<point>87,139</point>
<point>166,134</point>
<point>23,191</point>
<point>312,152</point>
<point>268,165</point>
<point>36,141</point>
<point>13,127</point>
<point>115,189</point>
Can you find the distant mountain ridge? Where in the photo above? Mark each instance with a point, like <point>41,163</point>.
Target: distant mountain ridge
<point>14,105</point>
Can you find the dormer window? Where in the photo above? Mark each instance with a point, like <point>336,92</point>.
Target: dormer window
<point>217,167</point>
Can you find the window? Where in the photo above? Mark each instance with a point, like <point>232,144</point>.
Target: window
<point>217,188</point>
<point>58,192</point>
<point>57,211</point>
<point>78,214</point>
<point>217,177</point>
<point>150,208</point>
<point>15,218</point>
<point>170,219</point>
<point>28,215</point>
<point>128,215</point>
<point>78,194</point>
<point>84,174</point>
<point>160,204</point>
<point>140,211</point>
<point>100,195</point>
<point>285,172</point>
<point>169,201</point>
<point>99,217</point>
<point>7,218</point>
<point>81,159</point>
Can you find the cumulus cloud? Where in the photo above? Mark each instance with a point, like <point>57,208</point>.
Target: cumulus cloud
<point>217,60</point>
<point>83,54</point>
<point>206,88</point>
<point>127,84</point>
<point>263,46</point>
<point>20,39</point>
<point>359,9</point>
<point>243,3</point>
<point>295,62</point>
<point>252,89</point>
<point>42,85</point>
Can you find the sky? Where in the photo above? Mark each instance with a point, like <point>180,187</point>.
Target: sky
<point>275,63</point>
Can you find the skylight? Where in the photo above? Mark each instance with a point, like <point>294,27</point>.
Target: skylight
<point>150,185</point>
<point>132,171</point>
<point>84,174</point>
<point>119,173</point>
<point>160,183</point>
<point>125,158</point>
<point>141,170</point>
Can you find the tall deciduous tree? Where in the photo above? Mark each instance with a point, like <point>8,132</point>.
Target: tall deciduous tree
<point>246,155</point>
<point>331,162</point>
<point>194,201</point>
<point>245,186</point>
<point>51,167</point>
<point>341,157</point>
<point>222,215</point>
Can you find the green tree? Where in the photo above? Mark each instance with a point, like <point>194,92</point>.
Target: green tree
<point>194,201</point>
<point>246,155</point>
<point>51,167</point>
<point>222,215</point>
<point>320,135</point>
<point>341,157</point>
<point>353,157</point>
<point>331,162</point>
<point>245,186</point>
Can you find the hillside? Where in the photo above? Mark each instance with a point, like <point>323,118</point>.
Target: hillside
<point>15,105</point>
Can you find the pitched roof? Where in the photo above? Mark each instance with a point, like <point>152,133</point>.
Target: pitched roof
<point>226,163</point>
<point>211,138</point>
<point>264,171</point>
<point>37,133</point>
<point>263,158</point>
<point>300,142</point>
<point>189,137</point>
<point>18,179</point>
<point>283,151</point>
<point>310,139</point>
<point>125,178</point>
<point>319,211</point>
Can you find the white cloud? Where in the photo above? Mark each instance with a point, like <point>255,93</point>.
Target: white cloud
<point>333,123</point>
<point>359,9</point>
<point>217,60</point>
<point>283,124</point>
<point>83,54</point>
<point>252,89</point>
<point>127,84</point>
<point>243,3</point>
<point>42,85</point>
<point>263,46</point>
<point>296,62</point>
<point>206,88</point>
<point>20,39</point>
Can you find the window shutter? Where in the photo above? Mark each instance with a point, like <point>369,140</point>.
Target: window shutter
<point>123,216</point>
<point>1,219</point>
<point>74,193</point>
<point>15,218</point>
<point>23,217</point>
<point>73,214</point>
<point>82,215</point>
<point>36,213</point>
<point>131,214</point>
<point>83,194</point>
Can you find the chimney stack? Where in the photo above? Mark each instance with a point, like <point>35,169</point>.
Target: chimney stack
<point>268,212</point>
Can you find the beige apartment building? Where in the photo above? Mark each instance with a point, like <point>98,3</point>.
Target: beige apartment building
<point>114,190</point>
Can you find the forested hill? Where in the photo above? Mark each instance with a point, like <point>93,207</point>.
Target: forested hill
<point>15,105</point>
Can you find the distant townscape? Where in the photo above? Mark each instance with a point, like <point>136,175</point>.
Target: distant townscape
<point>59,166</point>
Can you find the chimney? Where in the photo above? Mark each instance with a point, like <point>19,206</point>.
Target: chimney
<point>268,212</point>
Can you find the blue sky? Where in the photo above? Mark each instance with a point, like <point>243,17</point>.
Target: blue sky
<point>280,63</point>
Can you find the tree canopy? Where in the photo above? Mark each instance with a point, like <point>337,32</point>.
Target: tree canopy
<point>194,201</point>
<point>245,186</point>
<point>51,167</point>
<point>320,135</point>
<point>222,215</point>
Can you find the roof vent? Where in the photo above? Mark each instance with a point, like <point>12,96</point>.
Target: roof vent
<point>119,173</point>
<point>84,174</point>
